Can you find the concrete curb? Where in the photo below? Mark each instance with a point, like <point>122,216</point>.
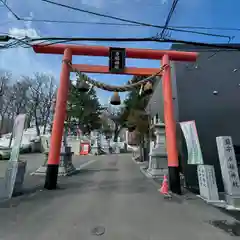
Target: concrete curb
<point>137,162</point>
<point>144,172</point>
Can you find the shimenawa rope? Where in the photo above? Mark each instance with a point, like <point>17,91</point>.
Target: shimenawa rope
<point>112,88</point>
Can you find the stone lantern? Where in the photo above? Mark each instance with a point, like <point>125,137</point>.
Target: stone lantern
<point>158,157</point>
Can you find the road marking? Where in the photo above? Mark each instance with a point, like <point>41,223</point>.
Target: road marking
<point>86,164</point>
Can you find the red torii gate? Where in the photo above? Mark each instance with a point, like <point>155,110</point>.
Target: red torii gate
<point>60,112</point>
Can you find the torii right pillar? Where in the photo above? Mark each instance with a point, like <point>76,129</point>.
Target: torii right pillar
<point>170,129</point>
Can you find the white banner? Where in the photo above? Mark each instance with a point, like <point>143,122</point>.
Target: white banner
<point>192,141</point>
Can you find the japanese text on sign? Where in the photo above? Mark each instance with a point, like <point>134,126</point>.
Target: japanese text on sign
<point>207,182</point>
<point>228,165</point>
<point>192,141</point>
<point>117,60</point>
<point>228,145</point>
<point>202,177</point>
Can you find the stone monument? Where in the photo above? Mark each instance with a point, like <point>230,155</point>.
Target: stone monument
<point>207,184</point>
<point>229,170</point>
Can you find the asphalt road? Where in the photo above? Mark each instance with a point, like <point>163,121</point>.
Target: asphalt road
<point>110,199</point>
<point>35,160</point>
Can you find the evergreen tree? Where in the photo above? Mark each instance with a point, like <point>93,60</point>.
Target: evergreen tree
<point>83,110</point>
<point>137,119</point>
<point>135,104</point>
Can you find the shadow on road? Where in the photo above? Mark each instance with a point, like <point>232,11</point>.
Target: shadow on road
<point>91,171</point>
<point>85,180</point>
<point>232,213</point>
<point>73,186</point>
<point>41,196</point>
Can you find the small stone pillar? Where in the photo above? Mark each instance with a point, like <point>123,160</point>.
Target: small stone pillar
<point>13,180</point>
<point>116,146</point>
<point>75,146</point>
<point>158,156</point>
<point>66,167</point>
<point>94,147</point>
<point>109,145</point>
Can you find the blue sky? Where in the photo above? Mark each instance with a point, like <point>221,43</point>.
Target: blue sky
<point>214,13</point>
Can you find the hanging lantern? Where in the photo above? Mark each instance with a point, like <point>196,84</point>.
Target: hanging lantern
<point>141,90</point>
<point>66,120</point>
<point>131,128</point>
<point>82,86</point>
<point>148,88</point>
<point>115,99</point>
<point>54,101</point>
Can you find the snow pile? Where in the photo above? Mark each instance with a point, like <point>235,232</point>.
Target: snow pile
<point>29,134</point>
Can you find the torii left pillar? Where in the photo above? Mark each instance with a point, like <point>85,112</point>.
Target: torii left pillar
<point>58,124</point>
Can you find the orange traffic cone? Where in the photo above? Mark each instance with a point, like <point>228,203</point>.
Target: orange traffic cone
<point>164,189</point>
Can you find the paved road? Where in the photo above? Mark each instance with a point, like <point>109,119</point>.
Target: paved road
<point>110,193</point>
<point>35,160</point>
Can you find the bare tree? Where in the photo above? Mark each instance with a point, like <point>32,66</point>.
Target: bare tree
<point>30,95</point>
<point>20,100</point>
<point>5,79</point>
<point>6,110</point>
<point>47,101</point>
<point>42,93</point>
<point>118,117</point>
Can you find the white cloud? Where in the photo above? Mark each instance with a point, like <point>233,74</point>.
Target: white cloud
<point>22,61</point>
<point>29,31</point>
<point>21,32</point>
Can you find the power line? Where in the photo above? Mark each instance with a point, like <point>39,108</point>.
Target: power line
<point>113,24</point>
<point>173,7</point>
<point>10,10</point>
<point>120,24</point>
<point>28,42</point>
<point>129,21</point>
<point>76,22</point>
<point>151,39</point>
<point>99,14</point>
<point>208,28</point>
<point>116,24</point>
<point>204,47</point>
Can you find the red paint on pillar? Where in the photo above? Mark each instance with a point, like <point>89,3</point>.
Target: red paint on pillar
<point>60,111</point>
<point>169,119</point>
